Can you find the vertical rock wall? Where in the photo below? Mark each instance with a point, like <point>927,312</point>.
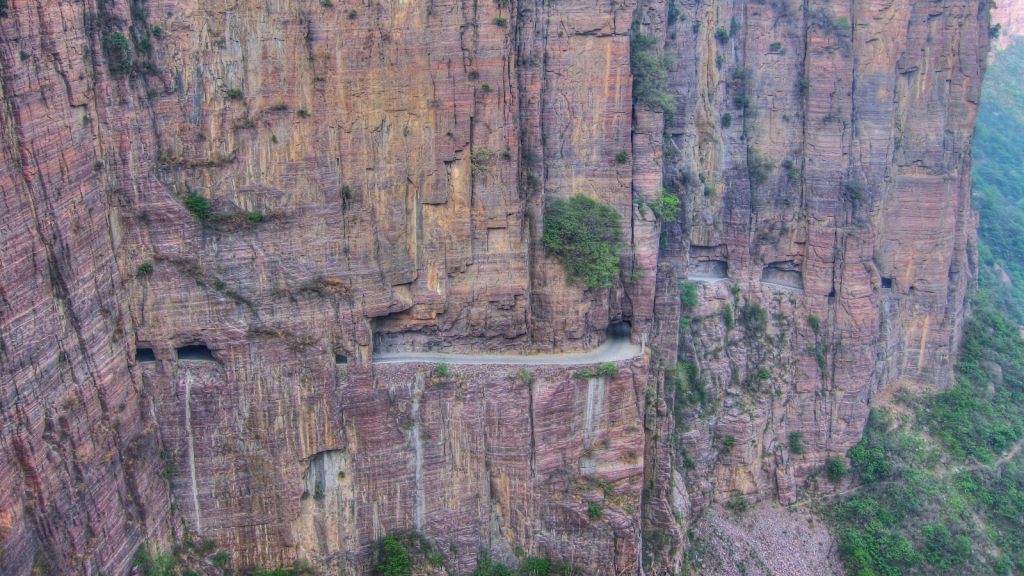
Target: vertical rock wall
<point>400,156</point>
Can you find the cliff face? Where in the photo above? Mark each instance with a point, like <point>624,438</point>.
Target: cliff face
<point>378,174</point>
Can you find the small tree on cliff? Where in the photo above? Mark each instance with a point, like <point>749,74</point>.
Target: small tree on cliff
<point>586,236</point>
<point>394,558</point>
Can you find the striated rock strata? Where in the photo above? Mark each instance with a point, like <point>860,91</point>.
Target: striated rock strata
<point>377,175</point>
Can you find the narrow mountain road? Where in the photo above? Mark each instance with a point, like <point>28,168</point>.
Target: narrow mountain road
<point>707,278</point>
<point>612,351</point>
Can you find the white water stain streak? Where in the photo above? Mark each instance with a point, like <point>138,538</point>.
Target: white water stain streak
<point>417,439</point>
<point>594,410</point>
<point>192,450</point>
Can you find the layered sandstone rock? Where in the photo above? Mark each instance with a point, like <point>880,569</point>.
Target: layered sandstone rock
<point>401,155</point>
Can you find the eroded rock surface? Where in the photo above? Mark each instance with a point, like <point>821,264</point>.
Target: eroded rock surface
<point>377,174</point>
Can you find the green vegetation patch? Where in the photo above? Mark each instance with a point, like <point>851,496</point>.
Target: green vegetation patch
<point>917,514</point>
<point>586,237</point>
<point>650,75</point>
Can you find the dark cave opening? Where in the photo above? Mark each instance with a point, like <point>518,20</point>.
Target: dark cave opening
<point>195,352</point>
<point>145,355</point>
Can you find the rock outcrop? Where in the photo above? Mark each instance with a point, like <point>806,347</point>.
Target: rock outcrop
<point>376,175</point>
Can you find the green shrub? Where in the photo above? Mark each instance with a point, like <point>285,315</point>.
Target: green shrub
<point>763,373</point>
<point>729,441</point>
<point>722,35</point>
<point>665,206</point>
<point>814,322</point>
<point>792,172</point>
<point>754,318</point>
<point>757,166</point>
<point>160,565</point>
<point>708,190</point>
<point>524,376</point>
<point>835,469</point>
<point>233,93</point>
<point>145,269</point>
<point>221,559</point>
<point>352,14</point>
<point>734,26</point>
<point>479,157</point>
<point>117,49</point>
<point>594,511</point>
<point>536,567</point>
<point>485,566</point>
<point>586,237</point>
<point>687,293</point>
<point>442,370</point>
<point>606,370</point>
<point>198,206</point>
<point>650,75</point>
<point>796,445</point>
<point>255,217</point>
<point>302,113</point>
<point>775,46</point>
<point>622,157</point>
<point>727,316</point>
<point>394,558</point>
<point>737,503</point>
<point>726,120</point>
<point>501,22</point>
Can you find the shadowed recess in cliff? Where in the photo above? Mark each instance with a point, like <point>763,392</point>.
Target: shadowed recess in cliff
<point>198,352</point>
<point>785,274</point>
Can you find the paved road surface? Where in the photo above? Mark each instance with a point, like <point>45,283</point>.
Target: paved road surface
<point>611,351</point>
<point>783,284</point>
<point>705,278</point>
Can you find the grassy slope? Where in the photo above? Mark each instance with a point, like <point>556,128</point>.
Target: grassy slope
<point>943,483</point>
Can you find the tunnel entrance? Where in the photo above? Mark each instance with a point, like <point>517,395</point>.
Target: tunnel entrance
<point>145,355</point>
<point>886,282</point>
<point>195,352</point>
<point>620,331</point>
<point>340,359</point>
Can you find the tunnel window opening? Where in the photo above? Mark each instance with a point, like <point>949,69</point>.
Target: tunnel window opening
<point>886,282</point>
<point>340,359</point>
<point>195,352</point>
<point>145,355</point>
<point>620,330</point>
<point>787,274</point>
<point>708,270</point>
